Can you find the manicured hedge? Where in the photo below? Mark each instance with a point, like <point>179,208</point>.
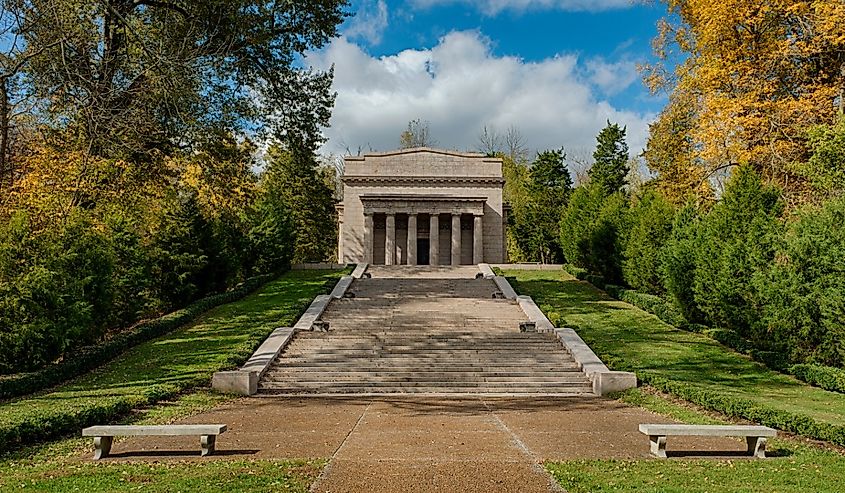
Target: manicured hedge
<point>825,377</point>
<point>747,409</point>
<point>45,424</point>
<point>87,358</point>
<point>576,272</point>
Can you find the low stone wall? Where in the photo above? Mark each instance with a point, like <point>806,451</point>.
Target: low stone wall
<point>318,266</point>
<point>604,380</point>
<point>244,381</point>
<point>505,287</point>
<point>359,271</point>
<point>529,266</point>
<point>486,271</point>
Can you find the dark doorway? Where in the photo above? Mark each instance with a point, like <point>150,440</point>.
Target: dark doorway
<point>422,251</point>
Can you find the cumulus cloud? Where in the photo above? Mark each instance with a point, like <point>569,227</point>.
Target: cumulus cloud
<point>369,22</point>
<point>459,86</point>
<point>612,77</point>
<point>493,7</point>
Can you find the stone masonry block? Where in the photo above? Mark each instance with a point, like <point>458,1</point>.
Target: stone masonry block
<point>605,383</point>
<point>235,382</point>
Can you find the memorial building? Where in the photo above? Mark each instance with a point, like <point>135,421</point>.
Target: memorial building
<point>422,206</point>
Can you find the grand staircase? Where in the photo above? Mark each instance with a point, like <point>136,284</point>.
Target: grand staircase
<point>418,331</point>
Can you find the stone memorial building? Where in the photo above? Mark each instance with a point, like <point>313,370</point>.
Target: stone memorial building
<point>422,207</point>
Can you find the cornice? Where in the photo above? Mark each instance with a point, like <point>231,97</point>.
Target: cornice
<point>359,179</point>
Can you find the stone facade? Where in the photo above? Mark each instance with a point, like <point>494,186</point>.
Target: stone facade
<point>422,207</point>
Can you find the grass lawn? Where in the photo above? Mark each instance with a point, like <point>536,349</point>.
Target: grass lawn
<point>646,344</point>
<point>64,466</point>
<point>792,466</point>
<point>161,368</point>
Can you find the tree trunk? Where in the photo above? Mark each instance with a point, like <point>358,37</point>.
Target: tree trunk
<point>5,169</point>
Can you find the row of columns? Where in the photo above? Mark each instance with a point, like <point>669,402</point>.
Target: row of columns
<point>433,239</point>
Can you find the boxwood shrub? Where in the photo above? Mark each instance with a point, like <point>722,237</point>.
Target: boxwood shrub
<point>737,407</point>
<point>825,377</point>
<point>576,272</point>
<point>87,358</point>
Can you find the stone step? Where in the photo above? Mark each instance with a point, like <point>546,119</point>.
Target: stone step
<point>435,373</point>
<point>434,389</point>
<point>399,367</point>
<point>434,351</point>
<point>462,379</point>
<point>422,362</point>
<point>267,383</point>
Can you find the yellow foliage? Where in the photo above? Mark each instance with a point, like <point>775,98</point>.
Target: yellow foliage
<point>222,187</point>
<point>53,181</point>
<point>759,74</point>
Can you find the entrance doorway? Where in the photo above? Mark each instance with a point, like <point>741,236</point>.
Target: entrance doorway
<point>422,251</point>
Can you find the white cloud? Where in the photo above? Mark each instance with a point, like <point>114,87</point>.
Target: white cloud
<point>493,7</point>
<point>459,86</point>
<point>612,77</point>
<point>369,22</point>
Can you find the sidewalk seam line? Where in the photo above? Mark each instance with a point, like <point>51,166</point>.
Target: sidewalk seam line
<point>328,467</point>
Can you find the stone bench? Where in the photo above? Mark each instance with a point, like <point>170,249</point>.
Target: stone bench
<point>755,436</point>
<point>103,435</point>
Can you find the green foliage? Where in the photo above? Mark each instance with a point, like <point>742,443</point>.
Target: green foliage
<point>651,303</point>
<point>89,357</point>
<point>735,248</point>
<point>805,306</point>
<point>576,272</point>
<point>607,238</point>
<point>640,342</point>
<point>55,290</point>
<point>610,167</point>
<point>826,167</point>
<point>828,378</point>
<point>293,177</point>
<point>577,222</point>
<point>650,225</point>
<point>678,262</point>
<point>534,219</point>
<point>163,367</point>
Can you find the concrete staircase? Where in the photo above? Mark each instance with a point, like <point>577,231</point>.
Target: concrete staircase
<point>404,332</point>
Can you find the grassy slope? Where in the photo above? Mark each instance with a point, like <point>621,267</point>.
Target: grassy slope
<point>792,466</point>
<point>645,343</point>
<point>183,359</point>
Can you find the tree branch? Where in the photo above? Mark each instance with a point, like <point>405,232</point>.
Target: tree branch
<point>164,5</point>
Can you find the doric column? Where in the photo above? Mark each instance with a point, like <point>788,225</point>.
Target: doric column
<point>477,240</point>
<point>412,239</point>
<point>456,239</point>
<point>368,237</point>
<point>434,240</point>
<point>390,240</point>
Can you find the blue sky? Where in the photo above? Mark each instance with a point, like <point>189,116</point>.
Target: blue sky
<point>554,69</point>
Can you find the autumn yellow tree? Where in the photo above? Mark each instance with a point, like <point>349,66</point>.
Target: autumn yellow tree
<point>754,76</point>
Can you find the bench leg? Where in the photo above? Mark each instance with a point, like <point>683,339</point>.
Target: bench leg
<point>756,446</point>
<point>102,447</point>
<point>658,445</point>
<point>207,444</point>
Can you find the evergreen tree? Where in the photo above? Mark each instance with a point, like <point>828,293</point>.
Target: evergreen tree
<point>295,175</point>
<point>611,159</point>
<point>550,186</point>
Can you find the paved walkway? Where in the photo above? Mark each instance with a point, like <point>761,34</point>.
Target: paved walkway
<point>423,445</point>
